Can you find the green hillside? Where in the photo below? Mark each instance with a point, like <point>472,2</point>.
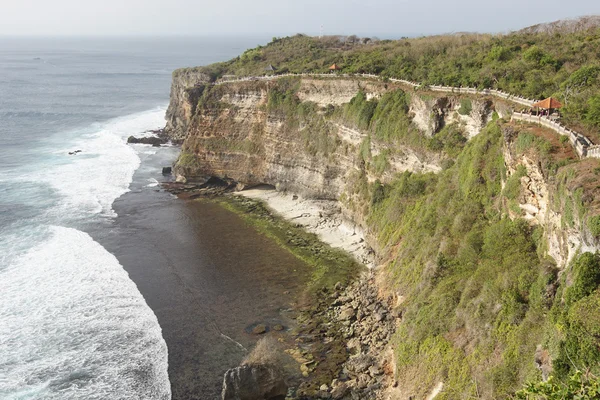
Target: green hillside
<point>564,64</point>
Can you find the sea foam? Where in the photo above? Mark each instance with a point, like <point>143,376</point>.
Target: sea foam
<point>72,323</point>
<point>92,179</point>
<point>74,326</point>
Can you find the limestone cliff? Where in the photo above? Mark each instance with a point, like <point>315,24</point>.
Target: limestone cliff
<point>432,113</point>
<point>185,90</point>
<point>462,273</point>
<point>231,131</point>
<point>236,135</point>
<point>547,199</point>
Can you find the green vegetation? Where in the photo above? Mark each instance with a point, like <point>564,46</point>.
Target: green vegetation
<point>574,327</point>
<point>578,386</point>
<point>560,63</point>
<point>329,265</point>
<point>187,159</point>
<point>450,139</point>
<point>476,288</point>
<point>528,141</point>
<point>594,225</point>
<point>512,189</point>
<point>465,107</point>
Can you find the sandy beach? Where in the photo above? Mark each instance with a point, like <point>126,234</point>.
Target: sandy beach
<point>322,217</point>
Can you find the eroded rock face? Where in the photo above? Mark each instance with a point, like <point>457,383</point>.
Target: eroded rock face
<point>337,92</point>
<point>535,203</point>
<point>254,382</point>
<point>431,115</point>
<point>235,136</point>
<point>185,88</point>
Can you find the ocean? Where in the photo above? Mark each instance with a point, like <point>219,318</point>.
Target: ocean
<point>73,324</point>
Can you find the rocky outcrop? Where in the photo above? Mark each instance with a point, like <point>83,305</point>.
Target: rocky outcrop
<point>236,137</point>
<point>368,323</point>
<point>431,114</point>
<point>337,92</point>
<point>186,87</point>
<point>538,204</point>
<point>344,344</point>
<point>254,382</point>
<point>152,140</point>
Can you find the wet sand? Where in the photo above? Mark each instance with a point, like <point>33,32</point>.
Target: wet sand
<point>208,276</point>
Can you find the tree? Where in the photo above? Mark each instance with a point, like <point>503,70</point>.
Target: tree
<point>579,386</point>
<point>593,113</point>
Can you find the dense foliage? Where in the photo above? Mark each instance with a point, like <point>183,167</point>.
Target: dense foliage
<point>578,386</point>
<point>480,295</point>
<point>534,64</point>
<point>476,284</point>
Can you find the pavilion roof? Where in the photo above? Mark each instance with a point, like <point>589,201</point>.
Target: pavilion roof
<point>550,102</point>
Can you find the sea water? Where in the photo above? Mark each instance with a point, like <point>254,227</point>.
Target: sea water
<point>72,323</point>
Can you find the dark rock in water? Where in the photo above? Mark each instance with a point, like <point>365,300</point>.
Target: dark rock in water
<point>166,170</point>
<point>254,382</point>
<point>259,329</point>
<point>153,140</point>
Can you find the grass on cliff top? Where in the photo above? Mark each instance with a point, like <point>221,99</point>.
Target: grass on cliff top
<point>329,265</point>
<point>533,64</point>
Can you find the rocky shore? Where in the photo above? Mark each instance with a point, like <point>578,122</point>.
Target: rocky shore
<point>343,343</point>
<point>322,217</point>
<point>339,344</point>
<point>341,348</point>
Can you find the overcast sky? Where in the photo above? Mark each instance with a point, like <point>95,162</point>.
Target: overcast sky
<point>386,18</point>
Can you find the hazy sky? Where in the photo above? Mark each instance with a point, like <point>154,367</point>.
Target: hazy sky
<point>279,17</point>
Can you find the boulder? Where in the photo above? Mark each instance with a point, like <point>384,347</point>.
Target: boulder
<point>347,314</point>
<point>259,329</point>
<point>153,140</point>
<point>254,382</point>
<point>339,391</point>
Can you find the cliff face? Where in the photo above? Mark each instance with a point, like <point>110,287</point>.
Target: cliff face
<point>463,275</point>
<point>238,136</point>
<point>185,90</point>
<point>230,131</point>
<point>431,114</point>
<point>545,199</point>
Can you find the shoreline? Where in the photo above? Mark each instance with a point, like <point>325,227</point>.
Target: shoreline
<point>321,217</point>
<point>344,326</point>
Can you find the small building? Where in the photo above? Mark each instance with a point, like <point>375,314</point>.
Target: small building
<point>548,106</point>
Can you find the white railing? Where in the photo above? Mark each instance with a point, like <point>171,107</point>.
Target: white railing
<point>447,89</point>
<point>583,146</point>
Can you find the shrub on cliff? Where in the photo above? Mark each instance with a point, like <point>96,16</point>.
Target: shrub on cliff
<point>471,279</point>
<point>528,63</point>
<point>578,386</point>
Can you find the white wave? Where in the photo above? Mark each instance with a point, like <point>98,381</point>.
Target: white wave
<point>153,182</point>
<point>92,179</point>
<point>74,326</point>
<point>146,151</point>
